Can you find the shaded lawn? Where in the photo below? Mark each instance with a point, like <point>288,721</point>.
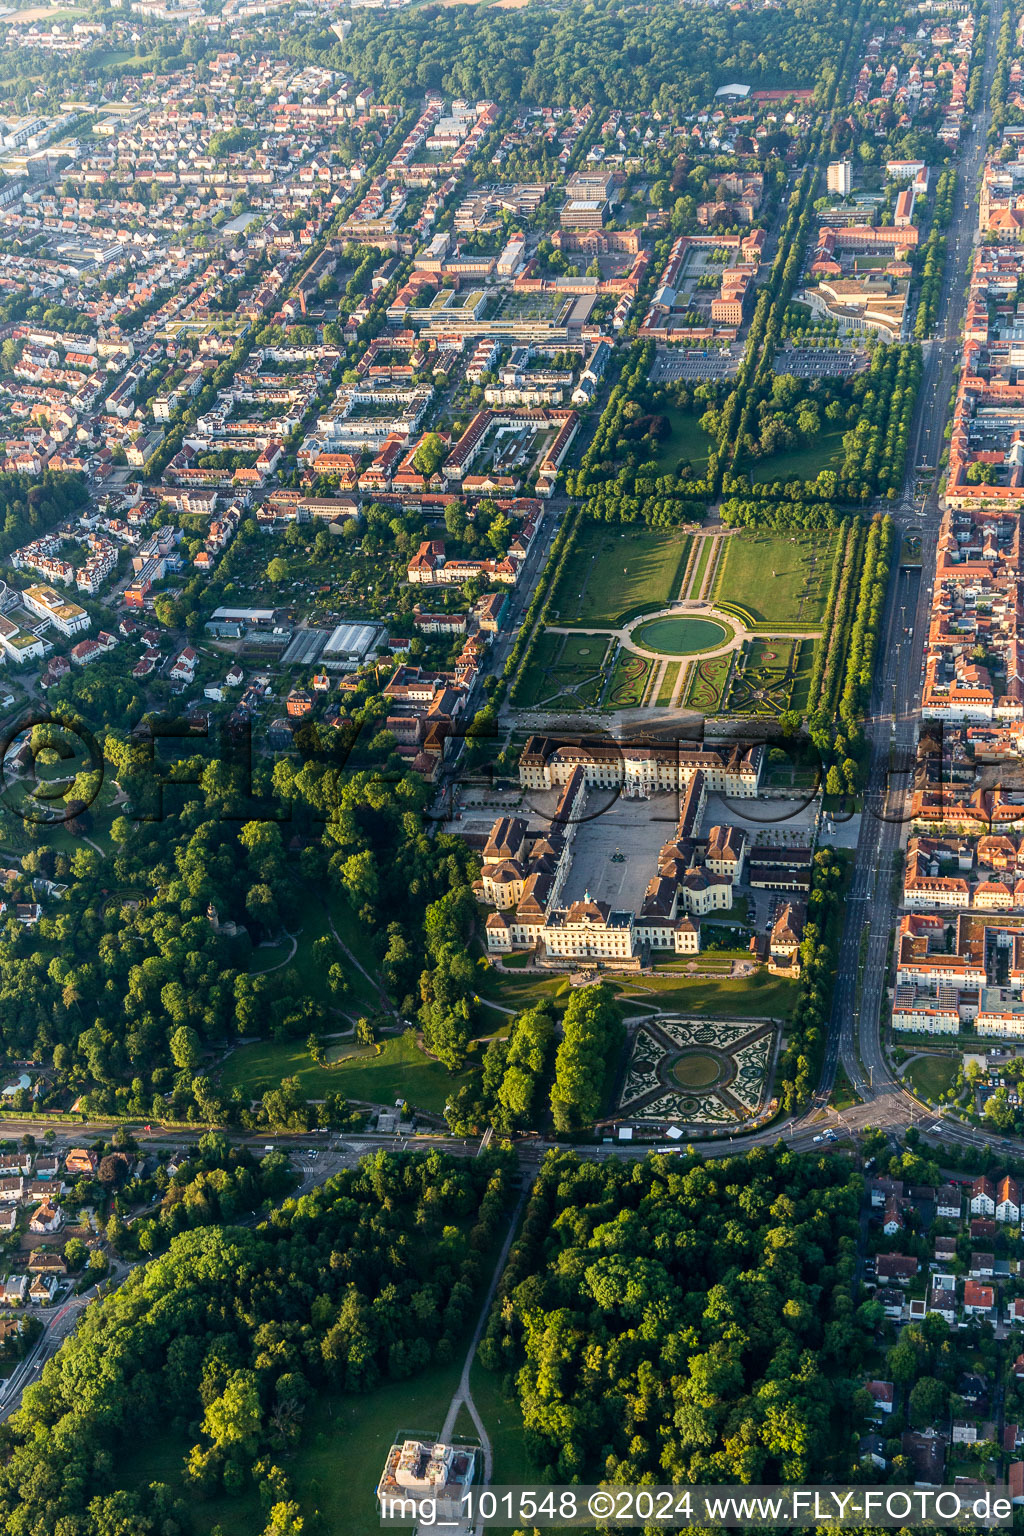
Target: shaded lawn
<point>614,572</point>
<point>685,441</point>
<point>344,1442</point>
<point>826,452</point>
<point>398,1069</point>
<point>719,997</point>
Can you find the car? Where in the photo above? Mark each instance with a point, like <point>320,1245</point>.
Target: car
<point>819,1138</point>
<point>831,1136</point>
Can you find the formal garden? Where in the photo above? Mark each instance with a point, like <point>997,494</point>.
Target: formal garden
<point>699,1071</point>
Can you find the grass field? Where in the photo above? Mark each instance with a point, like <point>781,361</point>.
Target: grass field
<point>686,441</point>
<point>802,678</point>
<point>668,684</point>
<point>777,578</point>
<point>720,997</point>
<point>613,573</point>
<point>826,452</point>
<point>932,1076</point>
<point>342,1432</point>
<point>701,569</point>
<point>707,683</point>
<point>396,1069</point>
<point>519,992</point>
<point>564,672</point>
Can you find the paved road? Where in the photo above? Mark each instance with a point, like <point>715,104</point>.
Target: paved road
<point>860,992</point>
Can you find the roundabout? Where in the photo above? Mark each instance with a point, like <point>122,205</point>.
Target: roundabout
<point>681,635</point>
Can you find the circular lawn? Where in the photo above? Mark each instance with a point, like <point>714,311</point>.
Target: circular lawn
<point>679,636</point>
<point>697,1069</point>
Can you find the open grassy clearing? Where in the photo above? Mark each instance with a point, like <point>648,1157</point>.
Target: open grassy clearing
<point>396,1068</point>
<point>826,452</point>
<point>932,1076</point>
<point>719,997</point>
<point>615,573</point>
<point>343,1432</point>
<point>776,578</point>
<point>686,441</point>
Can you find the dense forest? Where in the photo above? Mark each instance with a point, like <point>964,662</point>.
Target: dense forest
<point>629,55</point>
<point>222,1342</point>
<point>129,985</point>
<point>685,1322</point>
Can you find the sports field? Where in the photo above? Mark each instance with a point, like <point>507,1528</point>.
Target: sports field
<point>777,578</point>
<point>615,573</point>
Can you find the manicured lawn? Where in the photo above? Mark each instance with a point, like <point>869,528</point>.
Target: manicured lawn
<point>707,683</point>
<point>778,578</point>
<point>701,569</point>
<point>614,573</point>
<point>520,992</point>
<point>629,681</point>
<point>826,452</point>
<point>686,441</point>
<point>565,671</point>
<point>668,684</point>
<point>397,1070</point>
<point>680,636</point>
<point>719,997</point>
<point>932,1076</point>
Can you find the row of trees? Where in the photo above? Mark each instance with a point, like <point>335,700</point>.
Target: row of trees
<point>800,1065</point>
<point>835,626</point>
<point>860,661</point>
<point>587,1057</point>
<point>508,1092</point>
<point>934,259</point>
<point>875,450</point>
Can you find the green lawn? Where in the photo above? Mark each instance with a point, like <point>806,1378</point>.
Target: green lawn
<point>680,635</point>
<point>613,573</point>
<point>307,923</point>
<point>707,683</point>
<point>802,676</point>
<point>668,684</point>
<point>629,681</point>
<point>335,1470</point>
<point>520,992</point>
<point>685,441</point>
<point>932,1076</point>
<point>564,671</point>
<point>826,452</point>
<point>719,997</point>
<point>777,578</point>
<point>697,579</point>
<point>397,1070</point>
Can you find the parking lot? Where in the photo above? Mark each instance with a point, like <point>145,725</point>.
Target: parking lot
<point>820,363</point>
<point>671,364</point>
